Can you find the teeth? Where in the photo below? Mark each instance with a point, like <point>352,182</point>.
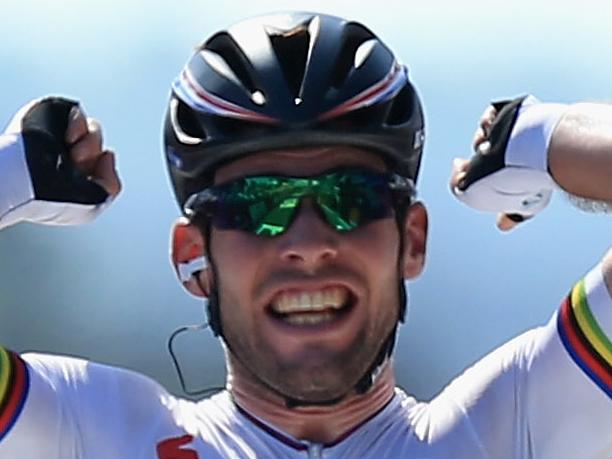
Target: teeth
<point>306,302</point>
<point>317,300</point>
<point>334,296</point>
<point>309,319</point>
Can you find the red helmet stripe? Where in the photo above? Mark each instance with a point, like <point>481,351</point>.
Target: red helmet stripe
<point>200,99</point>
<point>380,91</point>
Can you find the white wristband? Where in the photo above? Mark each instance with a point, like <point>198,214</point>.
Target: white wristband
<point>531,135</point>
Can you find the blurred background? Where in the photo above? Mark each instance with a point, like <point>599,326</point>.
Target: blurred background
<point>106,291</point>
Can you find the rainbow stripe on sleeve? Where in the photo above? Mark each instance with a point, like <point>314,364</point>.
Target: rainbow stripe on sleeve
<point>14,385</point>
<point>584,339</point>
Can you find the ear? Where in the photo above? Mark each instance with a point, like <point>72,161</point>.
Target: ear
<point>415,240</point>
<point>188,257</point>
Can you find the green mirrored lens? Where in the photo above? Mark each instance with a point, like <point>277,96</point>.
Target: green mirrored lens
<point>272,202</point>
<point>267,205</point>
<point>355,199</point>
<point>339,211</point>
<point>275,219</point>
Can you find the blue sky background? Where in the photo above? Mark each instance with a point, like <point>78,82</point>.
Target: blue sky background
<point>106,291</point>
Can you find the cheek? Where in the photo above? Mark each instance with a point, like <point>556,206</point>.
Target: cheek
<point>232,252</point>
<point>238,260</point>
<point>377,246</point>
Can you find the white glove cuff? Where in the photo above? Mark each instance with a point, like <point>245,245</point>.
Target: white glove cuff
<point>15,186</point>
<point>17,199</point>
<point>531,135</point>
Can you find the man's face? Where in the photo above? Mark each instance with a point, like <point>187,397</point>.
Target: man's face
<point>306,312</point>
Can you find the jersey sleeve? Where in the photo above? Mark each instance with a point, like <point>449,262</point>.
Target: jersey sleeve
<point>56,407</point>
<point>584,325</point>
<point>14,389</point>
<point>548,392</point>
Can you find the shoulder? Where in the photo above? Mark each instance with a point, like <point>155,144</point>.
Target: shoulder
<point>434,421</point>
<point>407,427</point>
<point>81,373</point>
<point>100,410</point>
<point>475,405</point>
<point>93,390</point>
<point>215,413</point>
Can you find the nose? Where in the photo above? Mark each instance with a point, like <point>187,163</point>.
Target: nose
<point>309,241</point>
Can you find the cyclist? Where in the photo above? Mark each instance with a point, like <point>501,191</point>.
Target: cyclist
<point>293,142</point>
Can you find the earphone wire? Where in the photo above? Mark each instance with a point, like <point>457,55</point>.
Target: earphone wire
<point>175,361</point>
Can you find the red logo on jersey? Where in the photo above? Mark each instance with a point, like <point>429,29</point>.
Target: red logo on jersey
<point>172,448</point>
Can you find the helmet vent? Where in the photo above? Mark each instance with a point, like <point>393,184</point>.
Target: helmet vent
<point>363,52</point>
<point>185,123</point>
<point>352,53</point>
<point>402,108</point>
<point>226,48</point>
<point>220,66</point>
<point>292,48</point>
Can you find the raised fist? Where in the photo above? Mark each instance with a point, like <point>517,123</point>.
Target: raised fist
<point>53,167</point>
<point>509,173</point>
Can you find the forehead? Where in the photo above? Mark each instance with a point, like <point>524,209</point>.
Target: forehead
<point>299,162</point>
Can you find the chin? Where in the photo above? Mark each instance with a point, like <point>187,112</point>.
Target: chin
<point>314,396</point>
<point>313,375</point>
<point>316,385</point>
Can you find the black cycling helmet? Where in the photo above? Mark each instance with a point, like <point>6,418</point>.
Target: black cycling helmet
<point>289,80</point>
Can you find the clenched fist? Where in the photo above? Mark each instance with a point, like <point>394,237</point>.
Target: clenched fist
<point>53,166</point>
<point>509,174</point>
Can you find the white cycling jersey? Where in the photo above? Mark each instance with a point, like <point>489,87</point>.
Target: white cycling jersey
<point>545,394</point>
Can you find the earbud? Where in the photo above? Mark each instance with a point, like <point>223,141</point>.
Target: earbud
<point>191,267</point>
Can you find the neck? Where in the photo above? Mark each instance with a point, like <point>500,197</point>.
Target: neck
<point>319,424</point>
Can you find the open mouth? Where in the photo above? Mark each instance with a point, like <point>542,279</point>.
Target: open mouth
<point>313,307</point>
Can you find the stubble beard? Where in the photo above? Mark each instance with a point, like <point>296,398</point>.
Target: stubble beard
<point>317,376</point>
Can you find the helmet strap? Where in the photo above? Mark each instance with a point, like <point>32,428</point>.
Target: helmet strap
<point>213,310</point>
<point>386,350</point>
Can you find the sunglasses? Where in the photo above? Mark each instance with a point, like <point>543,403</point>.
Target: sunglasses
<point>267,205</point>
